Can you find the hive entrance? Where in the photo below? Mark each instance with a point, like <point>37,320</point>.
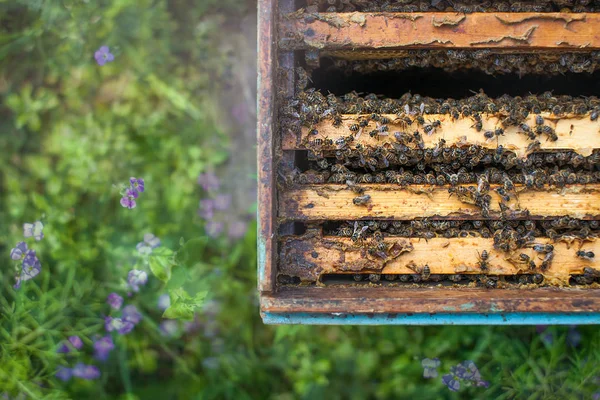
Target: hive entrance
<point>403,169</point>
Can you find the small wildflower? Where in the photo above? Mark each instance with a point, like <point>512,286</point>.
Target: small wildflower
<point>131,314</point>
<point>137,278</point>
<point>117,324</point>
<point>114,301</point>
<point>169,328</point>
<point>64,374</point>
<point>136,184</point>
<point>33,230</point>
<point>207,209</point>
<point>214,228</point>
<point>451,381</point>
<point>102,348</point>
<point>103,55</point>
<point>73,342</point>
<point>30,269</point>
<point>596,396</point>
<point>237,230</point>
<point>83,371</point>
<point>209,181</point>
<point>430,367</point>
<point>18,253</point>
<point>128,200</point>
<point>164,302</point>
<point>150,242</point>
<point>222,202</point>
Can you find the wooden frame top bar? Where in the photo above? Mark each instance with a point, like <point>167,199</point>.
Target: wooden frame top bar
<point>339,255</point>
<point>576,133</point>
<point>340,31</point>
<point>389,201</point>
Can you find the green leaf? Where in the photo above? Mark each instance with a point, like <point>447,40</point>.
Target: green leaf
<point>191,252</point>
<point>161,263</point>
<point>183,306</point>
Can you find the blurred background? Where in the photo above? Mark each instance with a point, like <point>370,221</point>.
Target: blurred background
<point>174,104</point>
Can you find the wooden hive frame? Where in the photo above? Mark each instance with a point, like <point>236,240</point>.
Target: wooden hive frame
<point>282,34</point>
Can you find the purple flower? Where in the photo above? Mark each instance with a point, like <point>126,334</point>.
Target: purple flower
<point>117,324</point>
<point>207,209</point>
<point>430,367</point>
<point>63,373</point>
<point>103,347</point>
<point>33,230</point>
<point>83,371</point>
<point>164,302</point>
<point>74,341</point>
<point>131,314</point>
<point>169,328</point>
<point>469,371</point>
<point>128,201</point>
<point>214,228</point>
<point>150,242</point>
<point>596,396</point>
<point>137,278</point>
<point>18,253</point>
<point>30,269</point>
<point>137,185</point>
<point>237,230</point>
<point>451,382</point>
<point>115,301</point>
<point>222,202</point>
<point>209,181</point>
<point>103,55</point>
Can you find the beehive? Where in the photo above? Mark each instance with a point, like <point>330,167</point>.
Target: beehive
<point>393,191</point>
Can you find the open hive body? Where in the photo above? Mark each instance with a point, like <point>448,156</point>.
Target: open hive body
<point>396,208</point>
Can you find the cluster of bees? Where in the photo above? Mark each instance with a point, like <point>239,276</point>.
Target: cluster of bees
<point>423,276</point>
<point>535,171</point>
<point>564,228</point>
<point>463,6</point>
<point>486,60</point>
<point>310,107</point>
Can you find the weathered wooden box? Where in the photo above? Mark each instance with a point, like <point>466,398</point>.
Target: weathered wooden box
<point>403,210</point>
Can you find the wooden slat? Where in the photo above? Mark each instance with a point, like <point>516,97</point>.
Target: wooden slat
<point>336,31</point>
<point>429,300</point>
<point>444,256</point>
<point>578,133</point>
<point>388,201</point>
<point>265,129</point>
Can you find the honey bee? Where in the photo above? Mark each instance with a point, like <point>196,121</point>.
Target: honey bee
<point>357,277</point>
<point>345,231</point>
<point>552,136</point>
<point>426,273</point>
<point>543,248</point>
<point>539,120</point>
<point>537,278</point>
<point>547,261</point>
<point>483,261</point>
<point>358,232</point>
<point>374,278</point>
<point>587,255</point>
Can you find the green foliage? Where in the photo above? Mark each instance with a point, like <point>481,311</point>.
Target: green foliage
<point>72,133</point>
